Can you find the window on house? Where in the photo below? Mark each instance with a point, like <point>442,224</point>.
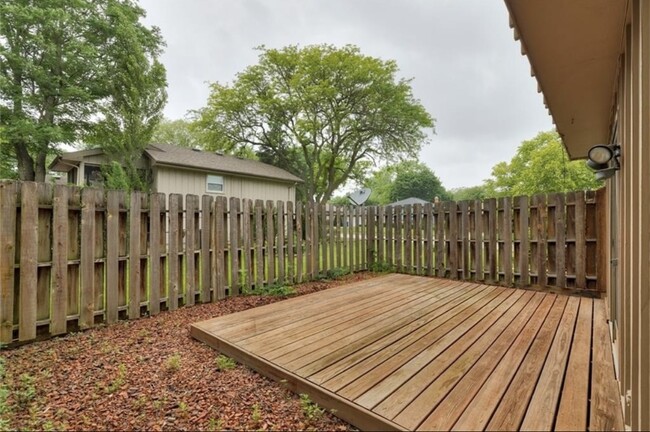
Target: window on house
<point>214,184</point>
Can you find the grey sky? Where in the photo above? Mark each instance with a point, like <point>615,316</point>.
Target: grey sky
<point>468,71</point>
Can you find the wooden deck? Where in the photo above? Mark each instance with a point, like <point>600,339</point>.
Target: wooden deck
<point>409,352</point>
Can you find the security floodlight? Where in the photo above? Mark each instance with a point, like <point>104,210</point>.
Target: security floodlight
<point>599,158</point>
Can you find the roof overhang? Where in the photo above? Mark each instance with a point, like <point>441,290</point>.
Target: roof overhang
<point>574,49</point>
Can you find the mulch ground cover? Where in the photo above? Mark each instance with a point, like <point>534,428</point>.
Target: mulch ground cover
<point>149,374</point>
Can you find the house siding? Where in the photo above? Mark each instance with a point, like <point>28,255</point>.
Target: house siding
<point>183,181</point>
<point>629,300</point>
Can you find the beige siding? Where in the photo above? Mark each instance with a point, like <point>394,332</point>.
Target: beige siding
<point>172,180</point>
<point>630,194</point>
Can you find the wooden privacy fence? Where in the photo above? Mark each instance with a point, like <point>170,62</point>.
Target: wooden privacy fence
<point>71,258</point>
<point>547,241</point>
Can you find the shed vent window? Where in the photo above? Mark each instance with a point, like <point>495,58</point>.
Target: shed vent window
<point>215,183</point>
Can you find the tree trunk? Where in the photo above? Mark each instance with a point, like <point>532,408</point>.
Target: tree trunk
<point>40,169</point>
<point>25,162</point>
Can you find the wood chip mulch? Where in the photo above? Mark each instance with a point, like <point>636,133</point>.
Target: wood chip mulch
<point>149,374</point>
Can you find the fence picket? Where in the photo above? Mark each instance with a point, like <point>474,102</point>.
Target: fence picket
<point>59,301</point>
<point>175,209</point>
<point>291,259</point>
<point>233,238</point>
<point>280,246</point>
<point>220,243</point>
<point>28,261</point>
<point>206,235</point>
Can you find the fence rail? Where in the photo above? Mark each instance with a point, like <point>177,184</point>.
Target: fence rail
<point>72,258</point>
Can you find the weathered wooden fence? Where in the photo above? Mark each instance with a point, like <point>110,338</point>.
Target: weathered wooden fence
<point>71,258</point>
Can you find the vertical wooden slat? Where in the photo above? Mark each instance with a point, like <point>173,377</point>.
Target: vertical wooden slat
<point>220,245</point>
<point>332,235</point>
<point>560,241</point>
<point>371,252</point>
<point>259,244</point>
<point>441,241</point>
<point>478,241</point>
<point>581,245</point>
<point>540,228</point>
<point>357,246</point>
<point>191,206</point>
<point>206,235</point>
<point>172,258</point>
<point>344,228</point>
<point>234,245</point>
<point>452,208</point>
<point>390,245</point>
<point>299,241</point>
<point>28,261</point>
<point>408,239</point>
<point>270,244</point>
<point>154,253</point>
<point>8,203</point>
<point>339,237</point>
<point>58,323</point>
<point>429,245</point>
<point>134,256</point>
<point>87,292</point>
<point>112,255</point>
<point>464,232</point>
<point>417,237</point>
<point>247,245</point>
<point>291,261</point>
<point>491,209</point>
<point>507,241</point>
<point>524,241</point>
<point>281,246</point>
<point>316,252</point>
<point>380,233</point>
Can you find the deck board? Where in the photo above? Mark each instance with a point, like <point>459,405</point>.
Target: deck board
<point>409,352</point>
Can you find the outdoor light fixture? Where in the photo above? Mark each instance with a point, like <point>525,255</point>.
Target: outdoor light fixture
<point>599,158</point>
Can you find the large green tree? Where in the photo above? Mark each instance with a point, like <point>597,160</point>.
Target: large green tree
<point>540,165</point>
<point>137,96</point>
<point>178,132</point>
<point>56,70</point>
<point>415,179</point>
<point>324,113</point>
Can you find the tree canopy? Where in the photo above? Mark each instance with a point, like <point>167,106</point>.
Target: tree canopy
<point>540,165</point>
<point>178,132</point>
<point>61,64</point>
<point>323,113</point>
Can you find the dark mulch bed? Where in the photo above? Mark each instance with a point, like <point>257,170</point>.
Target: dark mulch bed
<point>149,374</point>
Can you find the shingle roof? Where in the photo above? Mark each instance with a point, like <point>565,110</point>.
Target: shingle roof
<point>408,201</point>
<point>167,154</point>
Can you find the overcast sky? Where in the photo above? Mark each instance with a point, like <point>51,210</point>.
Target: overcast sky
<point>468,71</point>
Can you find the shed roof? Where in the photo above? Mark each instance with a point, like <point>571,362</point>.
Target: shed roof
<point>167,154</point>
<point>408,201</point>
<point>182,157</point>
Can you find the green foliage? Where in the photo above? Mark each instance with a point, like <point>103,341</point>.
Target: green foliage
<point>4,395</point>
<point>272,290</point>
<point>173,363</point>
<point>340,200</point>
<point>215,424</point>
<point>381,267</point>
<point>25,391</point>
<point>415,179</point>
<point>62,64</point>
<point>310,410</point>
<point>331,274</point>
<point>468,193</point>
<point>118,382</point>
<point>178,132</point>
<point>256,414</point>
<point>540,165</point>
<point>137,97</point>
<point>326,114</point>
<point>224,363</point>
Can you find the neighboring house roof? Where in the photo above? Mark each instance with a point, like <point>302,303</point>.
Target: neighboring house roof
<point>166,154</point>
<point>574,48</point>
<point>409,201</point>
<point>181,157</point>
